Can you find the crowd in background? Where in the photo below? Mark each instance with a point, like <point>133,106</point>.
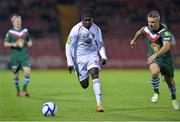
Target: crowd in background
<point>126,12</point>
<point>41,17</point>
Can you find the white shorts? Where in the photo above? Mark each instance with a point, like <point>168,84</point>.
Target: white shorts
<point>83,66</point>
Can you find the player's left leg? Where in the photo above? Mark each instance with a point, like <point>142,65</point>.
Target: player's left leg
<point>15,70</point>
<point>82,73</point>
<point>27,71</point>
<point>94,72</point>
<point>85,83</point>
<point>16,82</point>
<point>155,81</point>
<point>172,88</point>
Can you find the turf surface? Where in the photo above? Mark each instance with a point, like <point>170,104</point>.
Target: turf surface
<point>126,97</point>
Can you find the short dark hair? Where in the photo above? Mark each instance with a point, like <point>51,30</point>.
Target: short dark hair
<point>154,14</point>
<point>87,13</point>
<point>12,17</point>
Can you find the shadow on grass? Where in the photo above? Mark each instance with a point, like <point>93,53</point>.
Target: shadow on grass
<point>46,98</point>
<point>140,108</point>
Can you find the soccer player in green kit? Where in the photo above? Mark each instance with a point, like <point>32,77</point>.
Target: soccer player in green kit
<point>18,40</point>
<point>160,59</point>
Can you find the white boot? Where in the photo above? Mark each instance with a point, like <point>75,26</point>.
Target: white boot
<point>154,98</point>
<point>175,104</point>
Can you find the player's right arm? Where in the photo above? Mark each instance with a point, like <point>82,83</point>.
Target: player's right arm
<point>69,57</point>
<point>7,42</point>
<point>72,38</point>
<point>137,36</point>
<point>102,50</point>
<point>173,40</point>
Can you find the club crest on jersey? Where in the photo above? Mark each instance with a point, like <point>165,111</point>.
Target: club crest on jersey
<point>20,42</point>
<point>155,47</point>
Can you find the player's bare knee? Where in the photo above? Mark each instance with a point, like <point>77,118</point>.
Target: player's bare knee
<point>16,78</point>
<point>94,75</point>
<point>27,70</point>
<point>155,73</point>
<point>169,80</point>
<point>171,83</point>
<point>27,75</point>
<point>84,84</point>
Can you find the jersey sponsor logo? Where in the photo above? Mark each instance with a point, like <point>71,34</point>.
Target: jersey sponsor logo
<point>155,47</point>
<point>20,42</point>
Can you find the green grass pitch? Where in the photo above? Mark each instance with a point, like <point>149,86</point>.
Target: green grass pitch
<point>126,97</point>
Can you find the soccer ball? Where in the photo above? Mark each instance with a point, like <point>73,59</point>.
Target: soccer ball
<point>49,109</point>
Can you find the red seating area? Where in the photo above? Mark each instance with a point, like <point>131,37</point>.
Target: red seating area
<point>119,51</point>
<point>46,53</point>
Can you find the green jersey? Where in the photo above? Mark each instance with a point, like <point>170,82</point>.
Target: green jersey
<point>155,40</point>
<point>21,36</point>
<point>19,55</point>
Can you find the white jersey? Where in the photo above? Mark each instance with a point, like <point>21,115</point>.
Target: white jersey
<point>82,43</point>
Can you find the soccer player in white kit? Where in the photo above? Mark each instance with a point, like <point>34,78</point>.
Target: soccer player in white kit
<point>85,52</point>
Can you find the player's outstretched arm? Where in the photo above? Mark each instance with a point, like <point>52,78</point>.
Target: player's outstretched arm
<point>138,35</point>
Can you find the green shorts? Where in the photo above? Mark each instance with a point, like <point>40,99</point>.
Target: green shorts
<point>17,63</point>
<point>166,66</point>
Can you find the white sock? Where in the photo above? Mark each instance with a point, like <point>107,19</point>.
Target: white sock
<point>97,90</point>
